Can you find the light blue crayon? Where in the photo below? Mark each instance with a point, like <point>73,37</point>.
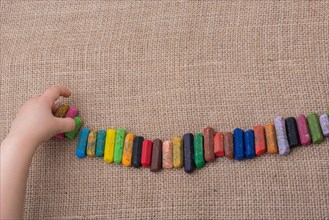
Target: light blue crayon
<point>82,143</point>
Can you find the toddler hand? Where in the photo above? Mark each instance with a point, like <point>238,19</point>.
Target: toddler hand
<point>35,121</point>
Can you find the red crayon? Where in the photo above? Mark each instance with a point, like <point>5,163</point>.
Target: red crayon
<point>260,146</point>
<point>219,144</point>
<point>146,153</point>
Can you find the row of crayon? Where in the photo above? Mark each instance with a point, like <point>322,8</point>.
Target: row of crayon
<point>193,151</point>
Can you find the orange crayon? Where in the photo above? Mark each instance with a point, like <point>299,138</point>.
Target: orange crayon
<point>270,134</point>
<point>127,150</point>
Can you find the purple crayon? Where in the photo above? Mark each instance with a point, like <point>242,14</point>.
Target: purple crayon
<point>324,122</point>
<point>281,136</point>
<point>71,113</point>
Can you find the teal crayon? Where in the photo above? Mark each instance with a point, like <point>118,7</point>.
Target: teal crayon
<point>100,143</point>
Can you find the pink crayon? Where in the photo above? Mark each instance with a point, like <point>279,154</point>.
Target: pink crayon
<point>71,113</point>
<point>303,130</point>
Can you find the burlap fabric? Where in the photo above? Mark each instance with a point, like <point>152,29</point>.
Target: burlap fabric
<point>161,69</point>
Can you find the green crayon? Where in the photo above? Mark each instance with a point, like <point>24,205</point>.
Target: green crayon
<point>315,128</point>
<point>198,151</point>
<point>119,142</point>
<point>78,124</point>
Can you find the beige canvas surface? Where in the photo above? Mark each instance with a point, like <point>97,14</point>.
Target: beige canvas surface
<point>161,69</point>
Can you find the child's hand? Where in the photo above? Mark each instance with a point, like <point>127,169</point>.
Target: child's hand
<point>35,121</point>
<point>34,124</point>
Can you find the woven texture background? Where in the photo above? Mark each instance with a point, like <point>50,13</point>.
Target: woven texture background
<point>166,68</point>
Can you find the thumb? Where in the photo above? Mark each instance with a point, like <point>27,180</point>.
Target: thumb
<point>65,124</point>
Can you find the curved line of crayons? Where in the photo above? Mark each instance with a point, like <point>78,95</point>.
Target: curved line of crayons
<point>193,151</point>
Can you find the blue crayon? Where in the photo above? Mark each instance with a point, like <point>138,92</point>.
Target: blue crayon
<point>82,143</point>
<point>238,134</point>
<point>249,140</point>
<point>188,153</point>
<point>100,144</point>
<point>137,151</point>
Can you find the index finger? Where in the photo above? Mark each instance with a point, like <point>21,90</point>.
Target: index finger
<point>54,92</point>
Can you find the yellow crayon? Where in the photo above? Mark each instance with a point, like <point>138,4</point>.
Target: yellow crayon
<point>127,150</point>
<point>61,111</point>
<point>109,146</point>
<point>178,152</point>
<point>91,145</point>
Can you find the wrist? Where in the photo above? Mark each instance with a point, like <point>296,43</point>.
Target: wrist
<point>20,143</point>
